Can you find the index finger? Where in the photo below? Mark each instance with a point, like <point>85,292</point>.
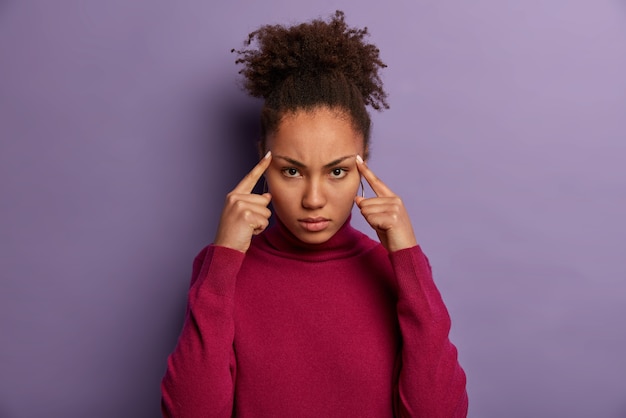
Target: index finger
<point>375,183</point>
<point>249,181</point>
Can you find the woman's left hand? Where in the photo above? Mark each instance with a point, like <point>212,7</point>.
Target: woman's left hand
<point>385,213</point>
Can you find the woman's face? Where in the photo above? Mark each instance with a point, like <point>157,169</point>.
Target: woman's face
<point>313,176</point>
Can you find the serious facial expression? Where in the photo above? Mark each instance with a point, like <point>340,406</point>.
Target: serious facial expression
<point>313,176</point>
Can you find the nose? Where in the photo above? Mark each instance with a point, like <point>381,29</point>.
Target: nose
<point>314,196</point>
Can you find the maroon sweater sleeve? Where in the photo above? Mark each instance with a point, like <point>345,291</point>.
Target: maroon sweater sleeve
<point>431,383</point>
<point>199,381</point>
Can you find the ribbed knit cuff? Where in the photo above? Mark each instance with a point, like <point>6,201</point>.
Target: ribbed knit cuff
<point>411,268</point>
<point>219,270</point>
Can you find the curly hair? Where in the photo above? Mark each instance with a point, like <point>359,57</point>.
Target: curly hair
<point>311,65</point>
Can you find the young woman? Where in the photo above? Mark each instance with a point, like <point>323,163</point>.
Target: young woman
<point>310,317</point>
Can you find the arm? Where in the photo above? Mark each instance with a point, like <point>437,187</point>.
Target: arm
<point>199,380</point>
<point>200,376</point>
<point>431,383</point>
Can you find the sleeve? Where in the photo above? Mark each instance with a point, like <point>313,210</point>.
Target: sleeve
<point>200,376</point>
<point>430,382</point>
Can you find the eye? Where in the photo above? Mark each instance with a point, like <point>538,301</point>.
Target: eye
<point>338,173</point>
<point>290,172</point>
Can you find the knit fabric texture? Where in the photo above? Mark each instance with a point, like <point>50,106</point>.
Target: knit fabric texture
<point>339,329</point>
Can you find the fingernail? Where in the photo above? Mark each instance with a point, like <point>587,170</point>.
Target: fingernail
<point>268,154</point>
<point>359,159</point>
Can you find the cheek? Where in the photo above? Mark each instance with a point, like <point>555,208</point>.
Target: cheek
<point>347,190</point>
<point>282,194</point>
<point>355,181</point>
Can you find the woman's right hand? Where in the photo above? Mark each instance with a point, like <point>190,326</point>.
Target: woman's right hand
<point>245,214</point>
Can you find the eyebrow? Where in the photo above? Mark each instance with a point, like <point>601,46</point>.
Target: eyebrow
<point>302,165</point>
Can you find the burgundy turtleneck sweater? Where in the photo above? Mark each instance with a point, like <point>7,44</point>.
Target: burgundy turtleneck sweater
<point>340,329</point>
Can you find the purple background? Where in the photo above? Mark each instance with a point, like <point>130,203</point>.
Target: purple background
<point>122,127</point>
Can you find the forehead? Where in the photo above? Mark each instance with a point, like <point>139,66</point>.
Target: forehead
<point>322,132</point>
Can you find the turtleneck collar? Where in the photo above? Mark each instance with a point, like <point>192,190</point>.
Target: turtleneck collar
<point>347,242</point>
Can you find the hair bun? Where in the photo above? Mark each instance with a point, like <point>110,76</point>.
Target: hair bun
<point>275,53</point>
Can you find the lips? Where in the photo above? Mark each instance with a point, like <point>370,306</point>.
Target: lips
<point>314,224</point>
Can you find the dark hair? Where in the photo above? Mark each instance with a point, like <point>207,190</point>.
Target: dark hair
<point>313,64</point>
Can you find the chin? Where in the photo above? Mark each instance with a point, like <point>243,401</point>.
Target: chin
<point>318,238</point>
<point>308,237</point>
